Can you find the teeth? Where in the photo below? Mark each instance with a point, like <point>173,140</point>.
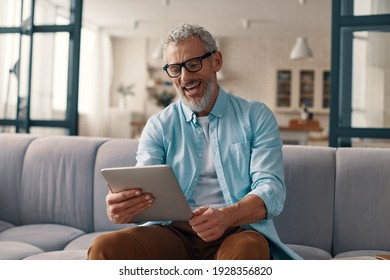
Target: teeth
<point>192,87</point>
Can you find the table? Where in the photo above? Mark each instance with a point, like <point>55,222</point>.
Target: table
<point>298,131</point>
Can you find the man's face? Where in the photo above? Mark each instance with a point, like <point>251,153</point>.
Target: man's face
<point>198,90</point>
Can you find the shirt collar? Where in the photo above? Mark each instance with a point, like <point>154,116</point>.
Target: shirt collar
<point>217,111</point>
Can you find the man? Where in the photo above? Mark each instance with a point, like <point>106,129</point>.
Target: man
<point>226,154</point>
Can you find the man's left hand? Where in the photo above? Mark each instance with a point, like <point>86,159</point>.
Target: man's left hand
<point>209,223</point>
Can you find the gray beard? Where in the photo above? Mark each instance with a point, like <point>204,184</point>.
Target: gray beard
<point>198,105</point>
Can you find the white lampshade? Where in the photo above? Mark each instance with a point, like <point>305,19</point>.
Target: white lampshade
<point>301,49</point>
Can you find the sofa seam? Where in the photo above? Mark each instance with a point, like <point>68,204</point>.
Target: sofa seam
<point>104,140</point>
<point>334,203</point>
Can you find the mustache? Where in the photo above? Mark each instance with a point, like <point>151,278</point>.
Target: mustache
<point>199,104</point>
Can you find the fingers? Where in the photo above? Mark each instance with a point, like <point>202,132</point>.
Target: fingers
<point>200,210</point>
<point>207,224</point>
<point>201,215</point>
<point>126,215</point>
<point>123,206</point>
<point>122,196</point>
<point>209,235</point>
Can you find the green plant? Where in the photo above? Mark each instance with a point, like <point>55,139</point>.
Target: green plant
<point>126,90</point>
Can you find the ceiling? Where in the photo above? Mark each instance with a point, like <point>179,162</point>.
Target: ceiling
<point>152,18</point>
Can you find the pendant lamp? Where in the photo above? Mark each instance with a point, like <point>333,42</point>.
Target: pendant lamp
<point>301,49</point>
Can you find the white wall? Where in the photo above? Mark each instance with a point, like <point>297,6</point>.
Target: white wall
<point>129,68</point>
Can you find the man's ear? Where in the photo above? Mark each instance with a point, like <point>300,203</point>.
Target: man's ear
<point>217,61</point>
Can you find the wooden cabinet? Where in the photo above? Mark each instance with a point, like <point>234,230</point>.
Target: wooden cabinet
<point>295,87</point>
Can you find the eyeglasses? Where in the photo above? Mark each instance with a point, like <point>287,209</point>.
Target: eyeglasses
<point>192,65</point>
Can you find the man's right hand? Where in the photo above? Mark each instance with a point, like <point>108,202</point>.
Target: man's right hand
<point>123,206</point>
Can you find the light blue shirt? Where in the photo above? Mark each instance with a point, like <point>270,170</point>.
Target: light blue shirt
<point>246,148</point>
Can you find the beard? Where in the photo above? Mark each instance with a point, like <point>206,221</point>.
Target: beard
<point>198,105</point>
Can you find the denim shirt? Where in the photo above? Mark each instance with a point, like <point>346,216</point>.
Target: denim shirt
<point>246,148</point>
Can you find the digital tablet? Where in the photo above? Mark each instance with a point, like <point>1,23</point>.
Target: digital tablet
<point>169,203</point>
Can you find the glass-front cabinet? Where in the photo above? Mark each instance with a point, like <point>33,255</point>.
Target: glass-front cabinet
<point>303,87</point>
<point>306,88</point>
<point>283,91</point>
<point>326,89</point>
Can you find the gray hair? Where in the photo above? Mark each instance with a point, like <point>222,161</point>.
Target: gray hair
<point>186,31</point>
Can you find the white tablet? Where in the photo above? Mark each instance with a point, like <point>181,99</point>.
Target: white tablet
<point>169,203</point>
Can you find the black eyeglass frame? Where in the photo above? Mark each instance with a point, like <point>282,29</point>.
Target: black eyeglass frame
<point>183,64</point>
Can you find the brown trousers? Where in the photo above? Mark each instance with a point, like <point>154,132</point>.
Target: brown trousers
<point>177,241</point>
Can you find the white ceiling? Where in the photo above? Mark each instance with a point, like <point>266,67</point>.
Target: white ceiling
<point>222,17</point>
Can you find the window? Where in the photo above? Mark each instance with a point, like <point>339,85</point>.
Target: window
<point>39,65</point>
<point>360,72</point>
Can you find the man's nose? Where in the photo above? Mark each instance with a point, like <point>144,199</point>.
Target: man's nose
<point>185,74</point>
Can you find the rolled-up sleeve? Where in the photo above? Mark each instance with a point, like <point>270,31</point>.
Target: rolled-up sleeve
<point>267,170</point>
<point>150,147</point>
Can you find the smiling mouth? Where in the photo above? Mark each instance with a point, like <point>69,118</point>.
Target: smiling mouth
<point>192,88</point>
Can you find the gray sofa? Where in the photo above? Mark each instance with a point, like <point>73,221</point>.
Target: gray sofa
<point>52,197</point>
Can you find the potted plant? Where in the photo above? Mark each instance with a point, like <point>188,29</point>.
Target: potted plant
<point>125,91</point>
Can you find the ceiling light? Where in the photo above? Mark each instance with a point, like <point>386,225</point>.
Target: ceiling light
<point>301,49</point>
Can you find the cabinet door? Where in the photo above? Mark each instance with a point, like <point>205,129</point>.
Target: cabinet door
<point>283,91</point>
<point>325,89</point>
<point>306,90</point>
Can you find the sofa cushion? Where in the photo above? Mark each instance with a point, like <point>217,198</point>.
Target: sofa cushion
<point>12,153</point>
<point>5,225</point>
<point>60,255</point>
<point>307,218</point>
<point>310,253</point>
<point>57,181</point>
<point>47,237</point>
<point>362,207</point>
<point>83,242</point>
<point>11,250</point>
<point>113,153</point>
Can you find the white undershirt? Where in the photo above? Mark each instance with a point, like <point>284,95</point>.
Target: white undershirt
<point>207,191</point>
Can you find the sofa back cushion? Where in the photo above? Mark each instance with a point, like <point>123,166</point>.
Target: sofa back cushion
<point>362,203</point>
<point>307,217</point>
<point>113,153</point>
<point>12,152</point>
<point>57,181</point>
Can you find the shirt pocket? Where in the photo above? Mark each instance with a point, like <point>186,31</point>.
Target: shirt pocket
<point>241,158</point>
